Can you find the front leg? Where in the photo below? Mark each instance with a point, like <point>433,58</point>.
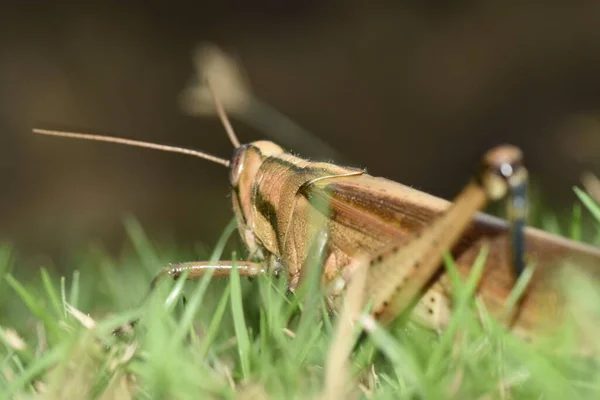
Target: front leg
<point>196,270</point>
<point>220,269</point>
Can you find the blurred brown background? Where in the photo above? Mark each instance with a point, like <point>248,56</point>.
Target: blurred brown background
<point>413,90</point>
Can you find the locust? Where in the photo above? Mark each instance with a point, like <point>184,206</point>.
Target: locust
<point>283,203</point>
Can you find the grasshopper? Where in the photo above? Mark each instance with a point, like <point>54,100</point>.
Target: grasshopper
<point>399,233</point>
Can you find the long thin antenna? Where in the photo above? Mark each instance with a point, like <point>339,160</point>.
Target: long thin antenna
<point>135,143</point>
<point>223,116</point>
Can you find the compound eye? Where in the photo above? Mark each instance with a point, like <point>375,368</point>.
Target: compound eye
<point>237,165</point>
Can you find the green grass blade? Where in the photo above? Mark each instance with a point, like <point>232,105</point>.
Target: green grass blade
<point>518,290</point>
<point>141,243</point>
<point>589,203</point>
<point>74,293</point>
<point>220,246</point>
<point>575,231</point>
<point>460,309</point>
<point>51,292</point>
<point>453,274</point>
<point>239,322</point>
<point>5,263</point>
<point>309,291</point>
<point>404,362</point>
<point>215,323</point>
<point>63,295</point>
<point>49,358</point>
<point>32,304</point>
<point>196,298</point>
<point>192,307</point>
<point>177,291</point>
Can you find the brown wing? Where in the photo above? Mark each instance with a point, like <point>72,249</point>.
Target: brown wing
<point>388,210</point>
<point>375,211</point>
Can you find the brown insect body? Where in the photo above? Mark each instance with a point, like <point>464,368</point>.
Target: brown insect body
<point>398,234</point>
<point>276,194</point>
<point>282,202</point>
<point>391,236</point>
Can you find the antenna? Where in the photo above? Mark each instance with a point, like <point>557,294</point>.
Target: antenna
<point>223,116</point>
<point>135,143</point>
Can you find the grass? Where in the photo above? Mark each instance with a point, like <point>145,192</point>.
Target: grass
<point>246,339</point>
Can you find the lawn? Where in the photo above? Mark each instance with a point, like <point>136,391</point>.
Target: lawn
<point>249,339</point>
